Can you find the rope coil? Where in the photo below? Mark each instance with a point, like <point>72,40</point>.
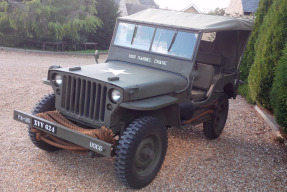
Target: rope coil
<point>104,134</point>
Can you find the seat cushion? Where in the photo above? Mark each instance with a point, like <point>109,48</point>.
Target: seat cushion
<point>197,94</point>
<point>205,76</point>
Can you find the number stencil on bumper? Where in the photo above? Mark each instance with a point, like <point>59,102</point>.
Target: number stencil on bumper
<point>45,126</point>
<point>65,133</point>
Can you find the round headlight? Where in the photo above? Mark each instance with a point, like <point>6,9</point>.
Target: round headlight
<point>58,79</point>
<point>115,96</point>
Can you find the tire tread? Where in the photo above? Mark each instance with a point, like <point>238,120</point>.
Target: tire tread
<point>47,103</point>
<point>208,126</point>
<point>124,155</point>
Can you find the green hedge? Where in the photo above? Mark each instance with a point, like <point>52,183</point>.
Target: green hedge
<point>248,57</point>
<point>279,91</point>
<point>270,42</point>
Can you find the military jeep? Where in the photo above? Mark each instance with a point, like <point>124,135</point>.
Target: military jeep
<point>164,69</point>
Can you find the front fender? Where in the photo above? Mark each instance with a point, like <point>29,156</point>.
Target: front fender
<point>153,103</point>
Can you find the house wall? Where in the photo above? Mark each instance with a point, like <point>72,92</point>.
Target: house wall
<point>235,8</point>
<point>191,10</point>
<point>123,8</point>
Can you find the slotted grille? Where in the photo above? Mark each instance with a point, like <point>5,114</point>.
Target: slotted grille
<point>84,98</point>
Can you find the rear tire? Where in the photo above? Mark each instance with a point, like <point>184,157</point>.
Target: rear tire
<point>141,152</point>
<point>47,103</point>
<point>212,129</point>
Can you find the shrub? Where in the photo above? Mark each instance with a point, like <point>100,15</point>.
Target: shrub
<point>10,39</point>
<point>279,91</point>
<point>248,57</point>
<point>270,42</point>
<point>243,91</point>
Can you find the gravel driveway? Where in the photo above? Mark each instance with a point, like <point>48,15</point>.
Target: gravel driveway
<point>246,157</point>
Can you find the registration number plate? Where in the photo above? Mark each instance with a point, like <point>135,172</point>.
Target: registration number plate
<point>45,126</point>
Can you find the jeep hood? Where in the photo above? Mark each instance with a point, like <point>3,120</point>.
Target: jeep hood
<point>139,81</point>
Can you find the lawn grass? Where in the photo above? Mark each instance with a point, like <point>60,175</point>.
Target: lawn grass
<point>86,51</point>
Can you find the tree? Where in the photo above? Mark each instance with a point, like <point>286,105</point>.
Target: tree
<point>248,57</point>
<point>8,37</point>
<point>217,11</point>
<point>53,20</point>
<point>279,91</point>
<point>108,11</point>
<point>268,50</point>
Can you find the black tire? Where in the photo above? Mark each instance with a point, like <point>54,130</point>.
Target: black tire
<point>47,103</point>
<point>212,129</point>
<point>140,152</point>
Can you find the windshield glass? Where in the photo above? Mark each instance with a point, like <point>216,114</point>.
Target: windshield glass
<point>157,40</point>
<point>134,36</point>
<point>162,40</point>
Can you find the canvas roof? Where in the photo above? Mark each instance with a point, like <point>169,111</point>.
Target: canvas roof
<point>198,22</point>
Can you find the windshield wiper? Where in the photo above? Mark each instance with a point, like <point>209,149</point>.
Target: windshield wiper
<point>172,41</point>
<point>134,34</point>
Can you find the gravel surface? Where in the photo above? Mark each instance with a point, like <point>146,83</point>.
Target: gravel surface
<point>246,157</point>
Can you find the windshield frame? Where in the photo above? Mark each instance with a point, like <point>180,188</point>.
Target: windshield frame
<point>197,35</point>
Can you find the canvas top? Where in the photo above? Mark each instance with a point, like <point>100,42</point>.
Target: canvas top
<point>190,21</point>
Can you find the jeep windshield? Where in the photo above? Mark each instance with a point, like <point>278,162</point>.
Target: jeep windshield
<point>171,42</point>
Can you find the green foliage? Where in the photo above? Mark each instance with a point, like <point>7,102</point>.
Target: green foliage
<point>248,57</point>
<point>53,20</point>
<point>10,39</point>
<point>279,91</point>
<point>271,40</point>
<point>217,11</point>
<point>108,11</point>
<point>244,91</point>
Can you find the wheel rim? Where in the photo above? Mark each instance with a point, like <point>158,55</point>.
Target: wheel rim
<point>147,155</point>
<point>220,117</point>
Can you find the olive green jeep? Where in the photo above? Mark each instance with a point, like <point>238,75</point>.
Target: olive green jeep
<point>164,69</point>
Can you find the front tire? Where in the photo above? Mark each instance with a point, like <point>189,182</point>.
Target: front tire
<point>141,152</point>
<point>47,103</point>
<point>212,129</point>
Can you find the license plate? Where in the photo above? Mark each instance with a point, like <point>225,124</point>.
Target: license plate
<point>45,126</point>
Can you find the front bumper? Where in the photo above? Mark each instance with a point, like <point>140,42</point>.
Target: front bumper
<point>65,133</point>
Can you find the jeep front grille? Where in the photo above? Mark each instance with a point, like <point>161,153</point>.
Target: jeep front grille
<point>84,98</point>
